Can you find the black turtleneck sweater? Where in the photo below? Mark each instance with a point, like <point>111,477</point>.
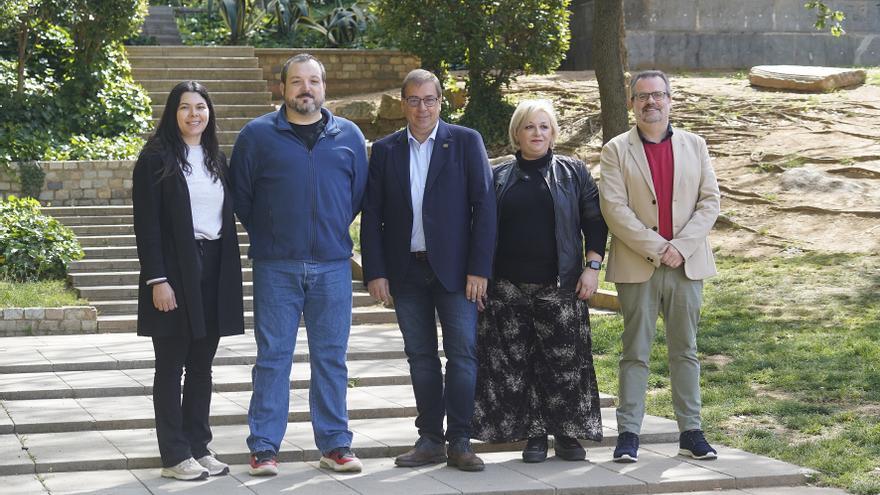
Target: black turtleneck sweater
<point>527,227</point>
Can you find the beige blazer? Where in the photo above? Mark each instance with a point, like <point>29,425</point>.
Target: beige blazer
<point>629,205</point>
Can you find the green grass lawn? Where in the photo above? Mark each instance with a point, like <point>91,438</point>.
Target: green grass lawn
<point>46,294</point>
<point>790,349</point>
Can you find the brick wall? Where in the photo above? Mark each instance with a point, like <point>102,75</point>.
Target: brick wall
<point>45,321</point>
<point>81,183</point>
<point>348,71</point>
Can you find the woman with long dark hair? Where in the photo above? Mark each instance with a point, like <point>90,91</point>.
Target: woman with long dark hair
<point>189,292</point>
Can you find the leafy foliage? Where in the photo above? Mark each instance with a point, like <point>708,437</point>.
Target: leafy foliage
<point>242,18</point>
<point>288,14</point>
<point>33,246</point>
<point>342,25</point>
<point>75,88</point>
<point>496,41</point>
<point>827,18</point>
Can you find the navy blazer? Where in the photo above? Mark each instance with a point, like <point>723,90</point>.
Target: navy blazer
<point>458,208</point>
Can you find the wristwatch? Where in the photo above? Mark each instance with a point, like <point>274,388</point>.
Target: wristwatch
<point>595,265</point>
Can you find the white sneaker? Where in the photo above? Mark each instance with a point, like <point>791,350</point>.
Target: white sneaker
<point>186,470</point>
<point>214,467</point>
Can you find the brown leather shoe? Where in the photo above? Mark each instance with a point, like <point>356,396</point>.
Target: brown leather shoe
<point>462,456</point>
<point>426,451</point>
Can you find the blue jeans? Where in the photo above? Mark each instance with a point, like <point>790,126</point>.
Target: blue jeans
<point>321,293</point>
<point>416,298</point>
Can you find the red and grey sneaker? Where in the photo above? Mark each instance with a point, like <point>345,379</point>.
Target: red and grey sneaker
<point>341,459</point>
<point>263,464</point>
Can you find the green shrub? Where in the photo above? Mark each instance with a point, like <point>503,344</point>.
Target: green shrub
<point>495,40</point>
<point>33,246</point>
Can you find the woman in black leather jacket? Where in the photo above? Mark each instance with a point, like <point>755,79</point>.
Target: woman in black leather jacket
<point>534,349</point>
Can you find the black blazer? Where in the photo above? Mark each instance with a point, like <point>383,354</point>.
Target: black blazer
<point>166,247</point>
<point>458,209</point>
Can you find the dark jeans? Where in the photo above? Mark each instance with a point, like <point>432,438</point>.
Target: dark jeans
<point>417,298</point>
<point>182,427</point>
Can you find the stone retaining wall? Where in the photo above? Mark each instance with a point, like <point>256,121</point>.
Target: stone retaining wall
<point>45,321</point>
<point>80,183</point>
<point>348,71</point>
<point>723,34</point>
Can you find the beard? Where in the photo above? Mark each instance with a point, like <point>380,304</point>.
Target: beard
<point>650,117</point>
<point>306,107</point>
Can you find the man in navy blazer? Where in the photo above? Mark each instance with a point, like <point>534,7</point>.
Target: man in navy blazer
<point>427,239</point>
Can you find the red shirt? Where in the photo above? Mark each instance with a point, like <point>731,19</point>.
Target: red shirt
<point>662,165</point>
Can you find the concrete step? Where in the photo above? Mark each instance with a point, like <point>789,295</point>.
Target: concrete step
<point>115,229</point>
<point>226,123</point>
<point>129,306</point>
<point>166,39</point>
<point>117,264</point>
<point>87,211</point>
<point>121,351</point>
<point>91,279</point>
<point>189,51</point>
<point>374,314</point>
<point>195,62</point>
<point>161,30</point>
<point>228,111</point>
<point>505,473</point>
<point>125,251</point>
<point>197,74</point>
<point>261,97</point>
<point>73,221</point>
<point>234,85</point>
<point>125,240</point>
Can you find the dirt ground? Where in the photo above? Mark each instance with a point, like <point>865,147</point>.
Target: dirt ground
<point>797,172</point>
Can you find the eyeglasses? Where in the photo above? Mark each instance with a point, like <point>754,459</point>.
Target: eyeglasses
<point>429,101</point>
<point>657,95</point>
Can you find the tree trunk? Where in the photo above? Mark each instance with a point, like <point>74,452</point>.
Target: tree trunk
<point>608,59</point>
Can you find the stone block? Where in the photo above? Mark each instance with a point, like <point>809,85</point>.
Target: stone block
<point>389,108</point>
<point>13,314</point>
<point>90,326</point>
<point>54,314</point>
<point>804,78</point>
<point>90,194</point>
<point>357,111</point>
<point>54,185</point>
<point>71,325</point>
<point>46,196</point>
<point>34,313</point>
<point>46,326</point>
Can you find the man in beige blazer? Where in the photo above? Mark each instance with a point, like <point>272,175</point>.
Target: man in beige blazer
<point>660,199</point>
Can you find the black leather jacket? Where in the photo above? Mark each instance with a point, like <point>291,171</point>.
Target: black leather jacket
<point>576,210</point>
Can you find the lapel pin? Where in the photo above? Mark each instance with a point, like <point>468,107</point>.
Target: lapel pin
<point>445,145</point>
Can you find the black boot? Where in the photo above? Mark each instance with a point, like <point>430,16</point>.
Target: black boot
<point>536,449</point>
<point>569,448</point>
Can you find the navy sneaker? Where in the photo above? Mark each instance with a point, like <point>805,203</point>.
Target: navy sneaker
<point>692,443</point>
<point>627,449</point>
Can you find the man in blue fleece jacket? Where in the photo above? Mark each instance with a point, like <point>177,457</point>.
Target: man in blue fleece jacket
<point>298,177</point>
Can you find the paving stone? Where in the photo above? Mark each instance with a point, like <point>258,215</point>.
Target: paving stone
<point>398,433</point>
<point>6,424</point>
<point>15,359</point>
<point>363,405</point>
<point>299,478</point>
<point>794,490</point>
<point>45,415</point>
<point>74,451</point>
<point>665,474</point>
<point>32,386</point>
<point>14,459</point>
<point>749,470</point>
<point>494,479</point>
<point>116,482</point>
<point>87,358</point>
<point>382,477</point>
<point>586,478</point>
<point>215,485</point>
<point>99,383</point>
<point>117,413</point>
<point>23,484</point>
<point>139,447</point>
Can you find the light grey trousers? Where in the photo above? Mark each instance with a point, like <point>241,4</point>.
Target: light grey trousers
<point>677,298</point>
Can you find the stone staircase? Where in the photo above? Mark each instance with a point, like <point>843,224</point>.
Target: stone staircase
<point>232,75</point>
<point>161,26</point>
<point>76,411</point>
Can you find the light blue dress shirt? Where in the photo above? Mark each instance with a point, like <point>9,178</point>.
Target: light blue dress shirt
<point>419,159</point>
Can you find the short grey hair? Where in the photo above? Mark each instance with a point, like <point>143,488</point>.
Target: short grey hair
<point>648,74</point>
<point>526,109</point>
<point>419,77</point>
<point>300,59</point>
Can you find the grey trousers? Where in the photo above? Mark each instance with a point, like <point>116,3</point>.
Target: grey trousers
<point>677,298</point>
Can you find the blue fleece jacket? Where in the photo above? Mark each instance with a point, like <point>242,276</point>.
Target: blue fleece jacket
<point>298,204</point>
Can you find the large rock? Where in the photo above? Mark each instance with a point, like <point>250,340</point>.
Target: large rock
<point>357,111</point>
<point>390,108</point>
<point>805,78</point>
